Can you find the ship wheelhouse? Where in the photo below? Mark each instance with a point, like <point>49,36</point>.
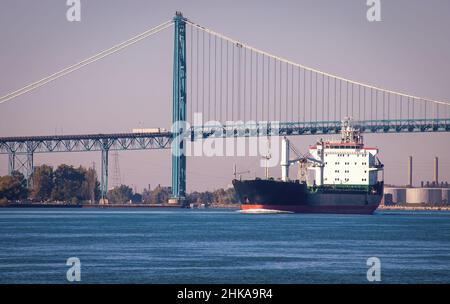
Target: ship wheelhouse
<point>344,163</point>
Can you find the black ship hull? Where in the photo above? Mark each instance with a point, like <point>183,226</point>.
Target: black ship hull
<point>299,198</point>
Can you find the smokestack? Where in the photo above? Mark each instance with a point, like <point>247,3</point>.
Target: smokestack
<point>410,171</point>
<point>436,170</point>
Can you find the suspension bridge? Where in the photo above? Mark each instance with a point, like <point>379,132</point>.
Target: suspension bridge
<point>240,91</point>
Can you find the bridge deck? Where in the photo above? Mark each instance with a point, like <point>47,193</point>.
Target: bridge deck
<point>85,142</point>
<point>162,140</point>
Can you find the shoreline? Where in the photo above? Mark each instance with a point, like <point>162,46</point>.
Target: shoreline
<point>63,205</point>
<point>414,208</point>
<point>219,206</point>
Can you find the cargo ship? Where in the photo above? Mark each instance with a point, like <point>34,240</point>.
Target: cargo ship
<point>338,176</point>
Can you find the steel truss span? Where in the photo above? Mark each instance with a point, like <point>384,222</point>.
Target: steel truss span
<point>320,127</point>
<point>82,143</point>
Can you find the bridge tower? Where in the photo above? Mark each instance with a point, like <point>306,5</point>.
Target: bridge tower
<point>179,110</point>
<point>23,163</point>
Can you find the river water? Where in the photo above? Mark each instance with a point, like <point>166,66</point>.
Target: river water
<point>221,246</point>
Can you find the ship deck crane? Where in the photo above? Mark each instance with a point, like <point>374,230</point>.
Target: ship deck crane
<point>286,147</point>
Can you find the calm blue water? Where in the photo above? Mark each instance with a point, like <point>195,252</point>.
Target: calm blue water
<point>221,246</point>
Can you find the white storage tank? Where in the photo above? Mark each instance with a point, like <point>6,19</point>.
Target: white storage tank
<point>394,195</point>
<point>423,196</point>
<point>446,196</point>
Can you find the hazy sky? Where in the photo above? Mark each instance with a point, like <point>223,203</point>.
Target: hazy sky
<point>408,51</point>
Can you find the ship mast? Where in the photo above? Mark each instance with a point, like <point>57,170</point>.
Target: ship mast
<point>267,157</point>
<point>350,134</point>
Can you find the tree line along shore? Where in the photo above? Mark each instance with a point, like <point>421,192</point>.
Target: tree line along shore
<point>71,185</point>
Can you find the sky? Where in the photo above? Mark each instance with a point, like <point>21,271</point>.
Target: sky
<point>408,51</point>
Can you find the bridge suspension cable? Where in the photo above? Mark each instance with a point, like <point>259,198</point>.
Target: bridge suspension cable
<point>267,78</point>
<point>94,58</point>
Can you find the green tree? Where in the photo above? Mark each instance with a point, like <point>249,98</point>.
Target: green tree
<point>13,187</point>
<point>42,183</point>
<point>146,196</point>
<point>136,198</point>
<point>121,194</point>
<point>68,183</point>
<point>90,189</point>
<point>160,195</point>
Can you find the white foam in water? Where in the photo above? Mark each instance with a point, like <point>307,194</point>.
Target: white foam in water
<point>264,211</point>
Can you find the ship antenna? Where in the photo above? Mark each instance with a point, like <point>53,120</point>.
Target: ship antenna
<point>236,173</point>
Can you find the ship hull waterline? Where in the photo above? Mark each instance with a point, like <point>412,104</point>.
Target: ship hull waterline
<point>297,198</point>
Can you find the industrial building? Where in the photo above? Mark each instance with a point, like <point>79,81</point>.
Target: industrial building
<point>435,192</point>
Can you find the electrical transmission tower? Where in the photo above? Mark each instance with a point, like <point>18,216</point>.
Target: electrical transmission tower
<point>116,176</point>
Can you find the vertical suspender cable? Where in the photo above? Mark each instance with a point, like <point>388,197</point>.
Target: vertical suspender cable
<point>401,107</point>
<point>346,100</point>
<point>221,79</point>
<point>275,90</point>
<point>232,82</point>
<point>352,102</point>
<point>316,96</point>
<point>389,106</point>
<point>197,82</point>
<point>359,102</point>
<point>268,88</point>
<point>304,95</point>
<point>376,106</point>
<point>262,88</point>
<point>323,98</point>
<point>298,93</point>
<point>425,111</point>
<point>190,100</point>
<point>364,104</point>
<point>256,87</point>
<point>209,76</point>
<point>335,98</point>
<point>287,93</point>
<point>310,96</point>
<point>215,78</point>
<point>239,85</point>
<point>340,99</point>
<point>328,99</point>
<point>227,86</point>
<point>245,81</point>
<point>251,85</point>
<point>203,74</point>
<point>281,90</point>
<point>292,93</point>
<point>371,105</point>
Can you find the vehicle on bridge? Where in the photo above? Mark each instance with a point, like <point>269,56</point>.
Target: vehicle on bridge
<point>149,131</point>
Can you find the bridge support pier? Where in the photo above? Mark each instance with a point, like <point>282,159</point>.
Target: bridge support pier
<point>29,169</point>
<point>179,111</point>
<point>104,175</point>
<point>11,162</point>
<point>23,163</point>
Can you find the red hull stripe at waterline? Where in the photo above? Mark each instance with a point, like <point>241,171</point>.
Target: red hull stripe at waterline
<point>315,209</point>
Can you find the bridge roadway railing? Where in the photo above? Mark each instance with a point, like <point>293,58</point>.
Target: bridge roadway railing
<point>241,129</point>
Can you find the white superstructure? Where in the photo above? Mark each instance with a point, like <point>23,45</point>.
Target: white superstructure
<point>345,161</point>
